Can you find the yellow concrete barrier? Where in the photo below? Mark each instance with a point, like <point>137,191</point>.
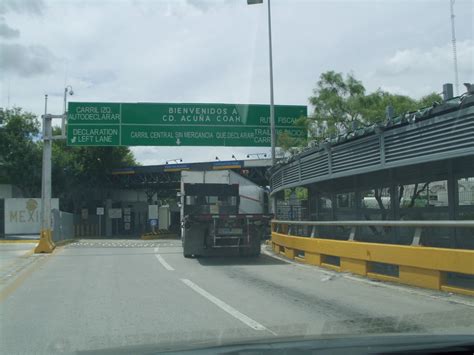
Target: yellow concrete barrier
<point>418,266</point>
<point>46,244</point>
<point>159,234</point>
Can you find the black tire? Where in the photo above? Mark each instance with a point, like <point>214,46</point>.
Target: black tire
<point>250,252</point>
<point>255,251</point>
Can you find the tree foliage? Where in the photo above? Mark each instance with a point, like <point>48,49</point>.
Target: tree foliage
<point>20,152</point>
<point>336,101</point>
<point>79,172</point>
<point>76,171</point>
<point>341,104</point>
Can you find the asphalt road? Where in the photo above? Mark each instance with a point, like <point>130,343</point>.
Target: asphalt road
<point>11,251</point>
<point>100,294</point>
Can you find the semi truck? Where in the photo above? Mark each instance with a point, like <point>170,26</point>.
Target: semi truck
<point>222,213</point>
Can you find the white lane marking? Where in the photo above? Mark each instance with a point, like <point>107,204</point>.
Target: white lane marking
<point>225,307</point>
<point>163,261</point>
<point>402,288</point>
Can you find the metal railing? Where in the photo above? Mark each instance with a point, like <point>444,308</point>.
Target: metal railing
<point>418,225</point>
<point>446,135</point>
<point>417,265</point>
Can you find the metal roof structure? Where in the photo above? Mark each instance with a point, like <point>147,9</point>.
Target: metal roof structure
<point>164,179</point>
<point>440,132</point>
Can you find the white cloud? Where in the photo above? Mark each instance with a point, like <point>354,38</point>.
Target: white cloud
<point>426,69</point>
<point>33,7</point>
<point>25,61</point>
<point>433,60</point>
<point>217,51</point>
<point>7,32</point>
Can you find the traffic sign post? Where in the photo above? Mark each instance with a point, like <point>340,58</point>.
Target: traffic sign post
<point>100,213</point>
<point>46,243</point>
<point>167,124</point>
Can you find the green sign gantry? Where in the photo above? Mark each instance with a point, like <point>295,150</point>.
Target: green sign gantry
<point>168,124</point>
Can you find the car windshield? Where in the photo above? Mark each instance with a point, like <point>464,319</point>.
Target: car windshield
<point>177,174</point>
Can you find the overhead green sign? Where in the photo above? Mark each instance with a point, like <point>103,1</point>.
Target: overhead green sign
<point>167,124</point>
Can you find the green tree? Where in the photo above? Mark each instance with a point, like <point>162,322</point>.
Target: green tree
<point>76,171</point>
<point>341,104</point>
<point>79,172</point>
<point>20,152</point>
<point>291,144</point>
<point>336,102</point>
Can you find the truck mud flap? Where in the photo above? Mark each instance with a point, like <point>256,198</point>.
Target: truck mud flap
<point>193,241</point>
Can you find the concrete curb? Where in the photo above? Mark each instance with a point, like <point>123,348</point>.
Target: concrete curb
<point>65,242</point>
<point>159,236</point>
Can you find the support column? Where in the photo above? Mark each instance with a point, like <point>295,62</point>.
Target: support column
<point>394,204</point>
<point>46,244</point>
<point>107,220</point>
<point>453,203</point>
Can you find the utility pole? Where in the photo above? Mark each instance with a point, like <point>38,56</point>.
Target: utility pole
<point>46,244</point>
<point>67,90</point>
<point>272,101</point>
<point>455,56</point>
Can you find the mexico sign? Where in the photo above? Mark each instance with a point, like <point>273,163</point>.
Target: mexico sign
<point>168,124</point>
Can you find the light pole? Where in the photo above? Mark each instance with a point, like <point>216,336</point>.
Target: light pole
<point>455,56</point>
<point>67,90</point>
<point>46,244</point>
<point>272,104</point>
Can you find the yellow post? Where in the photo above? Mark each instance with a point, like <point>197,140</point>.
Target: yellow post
<point>312,258</point>
<point>46,244</point>
<point>290,253</point>
<point>420,277</point>
<point>355,266</point>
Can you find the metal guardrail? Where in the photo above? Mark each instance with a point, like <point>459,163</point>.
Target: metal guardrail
<point>418,225</point>
<point>389,223</point>
<point>417,265</point>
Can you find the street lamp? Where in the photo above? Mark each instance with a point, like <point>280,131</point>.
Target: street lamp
<point>272,104</point>
<point>67,90</point>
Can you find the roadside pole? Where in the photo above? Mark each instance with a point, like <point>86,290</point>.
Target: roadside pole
<point>99,211</point>
<point>46,244</point>
<point>42,163</point>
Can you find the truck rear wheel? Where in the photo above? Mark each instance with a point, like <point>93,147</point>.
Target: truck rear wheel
<point>251,251</point>
<point>255,251</point>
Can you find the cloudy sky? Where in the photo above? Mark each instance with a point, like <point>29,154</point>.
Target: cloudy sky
<point>217,51</point>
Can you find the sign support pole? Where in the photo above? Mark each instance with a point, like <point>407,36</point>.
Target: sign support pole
<point>272,101</point>
<point>46,244</point>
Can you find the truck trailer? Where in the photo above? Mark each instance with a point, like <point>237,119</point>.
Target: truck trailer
<point>222,213</point>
